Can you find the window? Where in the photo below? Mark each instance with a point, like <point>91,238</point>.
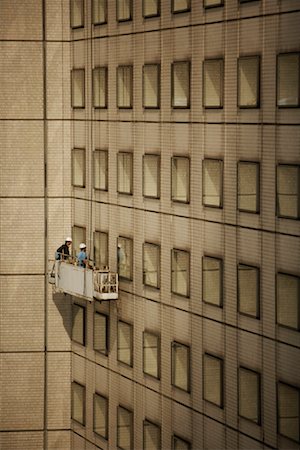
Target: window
<point>180,179</point>
<point>179,6</point>
<point>101,170</point>
<point>288,196</point>
<point>151,354</point>
<point>288,411</point>
<point>101,415</point>
<point>77,13</point>
<point>125,343</point>
<point>78,235</point>
<point>78,167</point>
<point>125,429</point>
<point>288,301</point>
<point>249,395</point>
<point>180,272</point>
<point>151,87</point>
<point>101,333</point>
<point>124,87</point>
<point>78,403</point>
<point>212,280</point>
<point>213,83</point>
<point>99,12</point>
<point>152,436</point>
<point>248,186</point>
<point>248,290</point>
<point>125,180</point>
<point>124,10</point>
<point>248,81</point>
<point>181,84</point>
<point>212,3</point>
<point>100,87</point>
<point>288,76</point>
<point>78,324</point>
<point>151,8</point>
<point>100,249</point>
<point>181,366</point>
<point>151,176</point>
<point>151,265</point>
<point>180,444</point>
<point>125,257</point>
<point>212,182</point>
<point>78,88</point>
<point>213,380</point>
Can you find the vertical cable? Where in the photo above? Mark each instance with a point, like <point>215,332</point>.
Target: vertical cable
<point>45,130</point>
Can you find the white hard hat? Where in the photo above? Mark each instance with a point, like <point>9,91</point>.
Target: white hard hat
<point>82,245</point>
<point>68,239</point>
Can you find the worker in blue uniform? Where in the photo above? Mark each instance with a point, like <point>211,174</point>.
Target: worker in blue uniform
<point>82,256</point>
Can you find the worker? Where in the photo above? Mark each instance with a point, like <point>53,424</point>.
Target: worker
<point>63,252</point>
<point>82,256</point>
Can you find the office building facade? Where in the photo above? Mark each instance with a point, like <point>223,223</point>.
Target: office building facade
<point>165,135</point>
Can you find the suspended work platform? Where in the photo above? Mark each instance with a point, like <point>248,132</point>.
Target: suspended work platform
<point>89,283</point>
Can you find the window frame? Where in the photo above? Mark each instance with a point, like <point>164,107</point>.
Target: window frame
<point>158,248</point>
<point>94,70</point>
<point>221,181</point>
<point>106,351</point>
<point>187,295</point>
<point>221,286</point>
<point>213,6</point>
<point>278,215</point>
<point>83,308</point>
<point>107,247</point>
<point>105,436</point>
<point>131,425</point>
<point>79,69</point>
<point>175,344</point>
<point>149,16</point>
<point>156,425</point>
<point>296,388</point>
<point>158,84</point>
<point>277,301</point>
<point>84,403</point>
<point>128,19</point>
<point>130,325</point>
<point>258,173</point>
<point>76,27</point>
<point>131,90</point>
<point>158,156</point>
<point>278,80</point>
<point>77,149</point>
<point>258,291</point>
<point>222,81</point>
<point>258,79</point>
<point>74,249</point>
<point>105,18</point>
<point>188,159</point>
<point>131,174</point>
<point>175,436</point>
<point>222,371</point>
<point>99,150</point>
<point>259,395</point>
<point>121,277</point>
<point>179,11</point>
<point>152,333</point>
<point>189,65</point>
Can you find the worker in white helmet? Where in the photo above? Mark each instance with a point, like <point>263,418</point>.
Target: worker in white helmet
<point>82,256</point>
<point>63,252</point>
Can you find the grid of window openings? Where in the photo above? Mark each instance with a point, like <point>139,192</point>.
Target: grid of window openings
<point>124,9</point>
<point>248,384</point>
<point>212,267</point>
<point>248,84</point>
